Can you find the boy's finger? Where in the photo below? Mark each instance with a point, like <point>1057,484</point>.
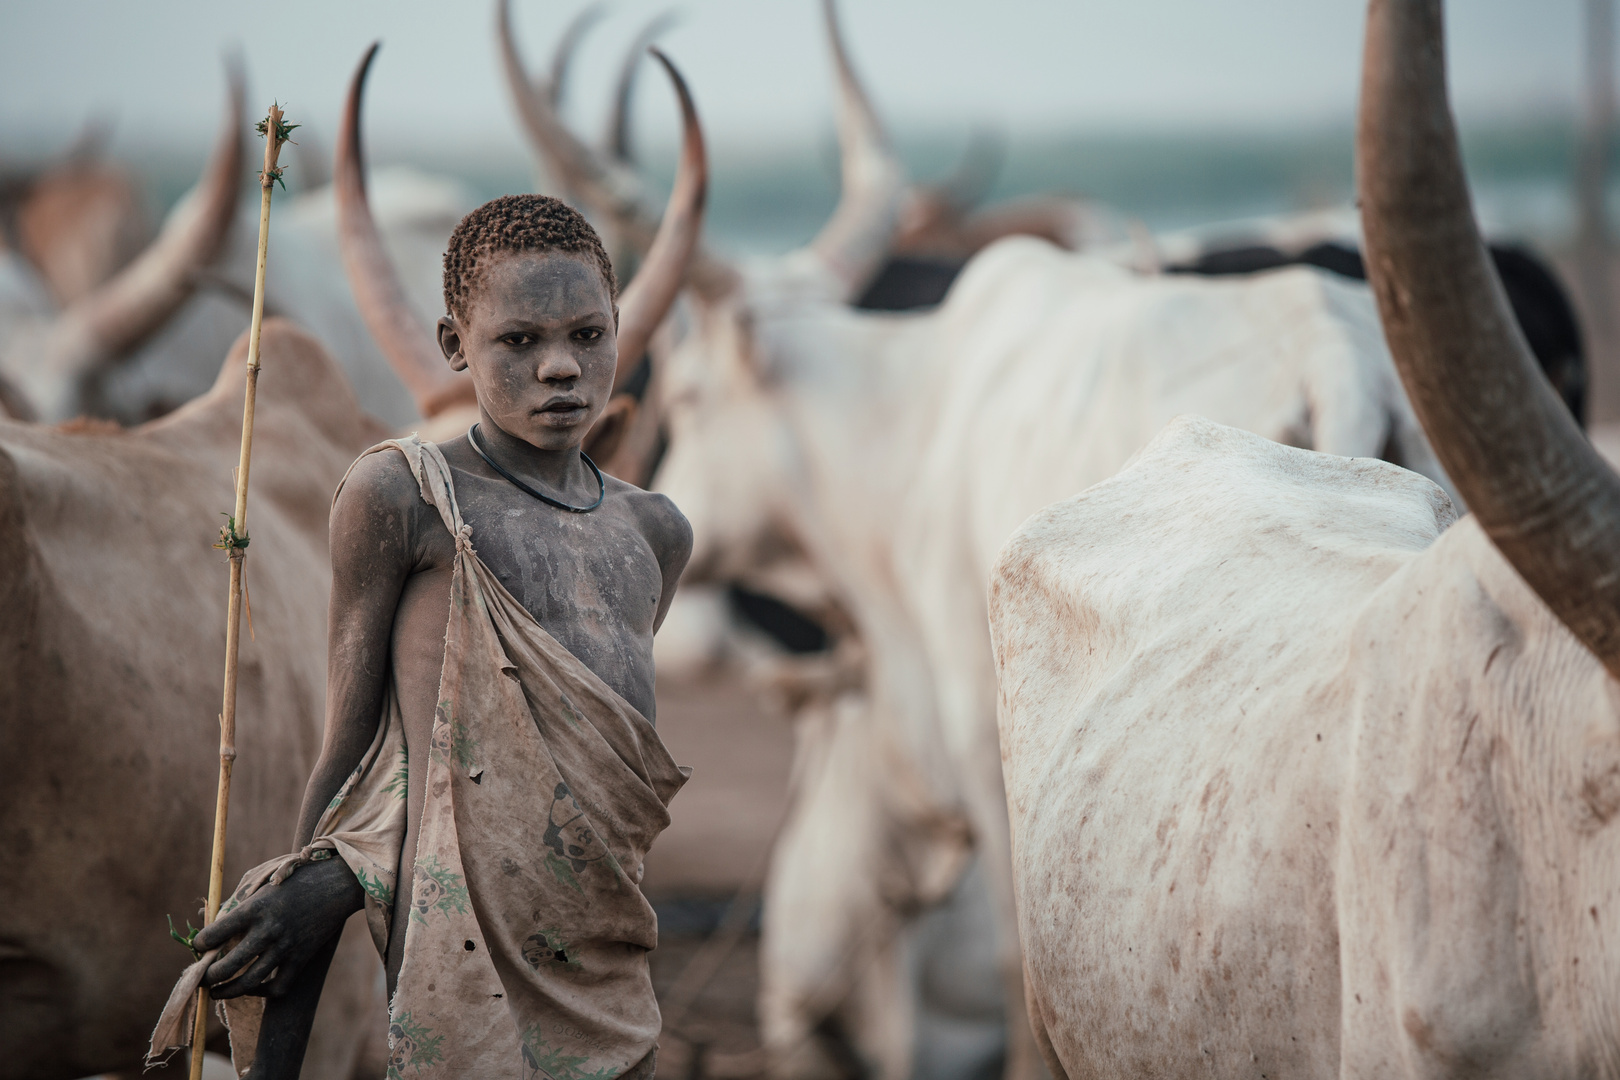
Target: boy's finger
<point>226,967</point>
<point>282,981</point>
<point>249,982</point>
<point>221,930</point>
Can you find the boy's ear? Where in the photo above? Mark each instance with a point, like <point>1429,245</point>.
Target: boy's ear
<point>450,343</point>
<point>605,436</point>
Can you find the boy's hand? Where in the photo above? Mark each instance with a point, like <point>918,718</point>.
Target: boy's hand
<point>282,926</point>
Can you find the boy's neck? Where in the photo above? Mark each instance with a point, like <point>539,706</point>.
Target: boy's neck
<point>557,471</point>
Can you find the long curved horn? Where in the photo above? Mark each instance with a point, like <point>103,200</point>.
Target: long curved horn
<point>970,182</point>
<point>1538,489</point>
<point>932,216</point>
<point>856,238</point>
<point>394,324</point>
<point>653,290</point>
<point>562,58</point>
<point>609,190</point>
<point>617,140</point>
<point>90,145</point>
<point>626,436</point>
<point>115,318</point>
<point>613,193</point>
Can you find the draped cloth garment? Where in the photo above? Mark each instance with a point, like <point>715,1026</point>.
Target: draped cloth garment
<point>527,936</point>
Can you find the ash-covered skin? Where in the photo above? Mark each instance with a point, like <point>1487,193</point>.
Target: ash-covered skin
<point>538,335</point>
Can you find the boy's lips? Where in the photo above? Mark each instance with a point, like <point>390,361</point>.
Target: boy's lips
<point>562,409</point>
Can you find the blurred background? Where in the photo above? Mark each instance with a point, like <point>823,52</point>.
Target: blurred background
<point>1175,111</point>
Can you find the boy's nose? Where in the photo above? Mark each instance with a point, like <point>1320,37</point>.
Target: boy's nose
<point>557,365</point>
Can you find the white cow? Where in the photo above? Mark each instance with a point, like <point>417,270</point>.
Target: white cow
<point>1305,779</point>
<point>904,450</point>
<point>110,656</point>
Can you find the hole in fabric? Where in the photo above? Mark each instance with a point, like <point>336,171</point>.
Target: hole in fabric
<point>469,946</point>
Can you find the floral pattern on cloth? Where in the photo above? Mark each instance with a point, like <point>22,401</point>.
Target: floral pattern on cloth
<point>526,945</point>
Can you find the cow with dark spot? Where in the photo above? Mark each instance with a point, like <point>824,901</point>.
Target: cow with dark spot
<point>1542,308</point>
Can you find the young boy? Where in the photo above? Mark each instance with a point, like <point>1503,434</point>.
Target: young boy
<point>520,737</point>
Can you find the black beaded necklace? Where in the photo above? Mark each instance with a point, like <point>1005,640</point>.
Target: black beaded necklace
<point>601,485</point>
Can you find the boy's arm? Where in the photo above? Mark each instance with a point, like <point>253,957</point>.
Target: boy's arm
<point>373,553</point>
<point>671,537</point>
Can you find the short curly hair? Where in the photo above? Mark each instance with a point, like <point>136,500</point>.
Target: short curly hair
<point>517,223</point>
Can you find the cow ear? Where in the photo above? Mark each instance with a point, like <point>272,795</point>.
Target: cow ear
<point>611,427</point>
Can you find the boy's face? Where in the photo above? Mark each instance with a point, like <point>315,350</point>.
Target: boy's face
<point>538,336</point>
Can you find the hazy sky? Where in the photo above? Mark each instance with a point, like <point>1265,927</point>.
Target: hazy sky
<point>758,67</point>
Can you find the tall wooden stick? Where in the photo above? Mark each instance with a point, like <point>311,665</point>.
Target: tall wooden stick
<point>233,538</point>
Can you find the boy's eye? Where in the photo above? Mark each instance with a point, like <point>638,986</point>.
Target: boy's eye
<point>589,333</point>
<point>519,339</point>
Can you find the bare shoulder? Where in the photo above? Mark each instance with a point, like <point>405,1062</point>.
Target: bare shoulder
<point>379,483</point>
<point>380,510</point>
<point>661,521</point>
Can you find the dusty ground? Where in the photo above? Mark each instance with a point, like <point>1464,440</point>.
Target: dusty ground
<point>717,1037</point>
<point>726,816</point>
<point>712,856</point>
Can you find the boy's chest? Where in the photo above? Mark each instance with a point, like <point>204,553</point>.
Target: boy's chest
<point>595,568</point>
<point>592,581</point>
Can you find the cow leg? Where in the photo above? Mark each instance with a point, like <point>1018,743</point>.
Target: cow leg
<point>961,1011</point>
<point>867,1036</point>
<point>987,802</point>
<point>824,915</point>
<point>976,746</point>
<point>880,1014</point>
<point>965,685</point>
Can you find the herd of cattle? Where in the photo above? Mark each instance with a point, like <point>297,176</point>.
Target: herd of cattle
<point>1123,600</point>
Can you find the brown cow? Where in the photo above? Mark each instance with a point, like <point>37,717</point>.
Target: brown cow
<point>111,654</point>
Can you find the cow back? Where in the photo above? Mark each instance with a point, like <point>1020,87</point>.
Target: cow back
<point>113,653</point>
<point>1173,653</point>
